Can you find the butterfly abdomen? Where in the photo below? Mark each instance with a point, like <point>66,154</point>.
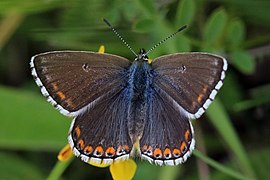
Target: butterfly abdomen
<point>138,86</point>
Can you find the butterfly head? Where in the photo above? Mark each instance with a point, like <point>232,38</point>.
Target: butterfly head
<point>141,55</point>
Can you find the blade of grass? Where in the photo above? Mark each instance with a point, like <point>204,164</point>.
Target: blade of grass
<point>59,169</point>
<point>219,166</point>
<point>220,119</point>
<point>8,26</point>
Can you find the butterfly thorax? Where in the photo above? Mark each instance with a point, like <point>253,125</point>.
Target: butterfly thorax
<point>139,83</point>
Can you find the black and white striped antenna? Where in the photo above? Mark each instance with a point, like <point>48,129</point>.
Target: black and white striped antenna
<point>168,37</point>
<point>120,37</point>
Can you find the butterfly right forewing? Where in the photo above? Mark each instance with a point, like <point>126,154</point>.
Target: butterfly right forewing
<point>192,80</point>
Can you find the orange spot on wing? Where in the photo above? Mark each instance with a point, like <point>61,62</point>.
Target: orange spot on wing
<point>78,131</point>
<point>187,135</point>
<point>69,102</point>
<point>200,98</point>
<point>81,143</point>
<point>167,152</point>
<point>88,149</point>
<point>55,86</point>
<point>126,148</point>
<point>183,146</point>
<point>110,151</point>
<point>99,150</point>
<point>144,148</point>
<point>157,153</point>
<point>176,152</point>
<point>61,95</point>
<point>204,89</point>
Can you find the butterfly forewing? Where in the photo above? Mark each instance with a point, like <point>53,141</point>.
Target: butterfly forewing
<point>190,79</point>
<point>72,80</point>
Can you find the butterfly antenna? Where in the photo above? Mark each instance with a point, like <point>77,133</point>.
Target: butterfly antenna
<point>168,37</point>
<point>119,36</point>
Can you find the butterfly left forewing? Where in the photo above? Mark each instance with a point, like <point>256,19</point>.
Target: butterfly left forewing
<point>190,79</point>
<point>73,80</point>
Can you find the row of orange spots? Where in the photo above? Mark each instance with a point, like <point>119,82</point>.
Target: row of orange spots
<point>59,93</point>
<point>157,153</point>
<point>200,98</point>
<point>98,151</point>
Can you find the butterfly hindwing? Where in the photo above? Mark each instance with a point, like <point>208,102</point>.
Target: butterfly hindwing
<point>190,79</point>
<point>168,133</point>
<point>72,80</point>
<point>100,134</point>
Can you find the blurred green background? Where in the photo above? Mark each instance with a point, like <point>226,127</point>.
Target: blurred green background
<point>232,137</point>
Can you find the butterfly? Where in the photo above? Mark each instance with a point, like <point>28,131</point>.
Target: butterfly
<point>124,109</point>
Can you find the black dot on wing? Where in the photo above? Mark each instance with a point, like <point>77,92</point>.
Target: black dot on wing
<point>85,67</point>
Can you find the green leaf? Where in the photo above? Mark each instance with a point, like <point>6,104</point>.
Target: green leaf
<point>130,10</point>
<point>220,119</point>
<point>29,122</point>
<point>169,173</point>
<point>243,61</point>
<point>148,7</point>
<point>260,95</point>
<point>236,33</point>
<point>182,43</point>
<point>185,12</point>
<point>144,25</point>
<point>215,27</point>
<point>231,92</point>
<point>29,6</point>
<point>15,167</point>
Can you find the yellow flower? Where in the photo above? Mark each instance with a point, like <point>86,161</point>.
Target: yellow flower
<point>122,170</point>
